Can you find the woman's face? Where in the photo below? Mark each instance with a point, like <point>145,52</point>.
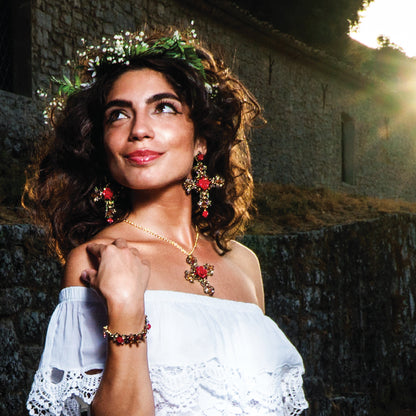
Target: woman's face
<point>148,134</point>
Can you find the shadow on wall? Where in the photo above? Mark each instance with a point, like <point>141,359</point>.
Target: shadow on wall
<point>344,295</point>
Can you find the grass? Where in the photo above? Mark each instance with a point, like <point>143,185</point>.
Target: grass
<point>288,208</point>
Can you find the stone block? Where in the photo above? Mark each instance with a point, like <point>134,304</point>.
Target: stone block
<point>13,300</point>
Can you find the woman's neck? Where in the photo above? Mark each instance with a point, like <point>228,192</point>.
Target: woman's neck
<point>164,211</point>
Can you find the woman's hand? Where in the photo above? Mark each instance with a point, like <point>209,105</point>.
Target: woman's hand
<point>121,277</point>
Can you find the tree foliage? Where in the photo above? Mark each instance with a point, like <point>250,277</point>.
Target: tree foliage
<point>322,23</point>
<point>390,62</point>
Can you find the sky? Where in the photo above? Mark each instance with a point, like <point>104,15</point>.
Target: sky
<point>392,18</point>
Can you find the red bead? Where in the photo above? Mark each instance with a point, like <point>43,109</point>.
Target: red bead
<point>200,157</point>
<point>205,214</point>
<point>204,183</point>
<point>120,340</point>
<point>201,271</point>
<point>110,220</point>
<point>107,193</point>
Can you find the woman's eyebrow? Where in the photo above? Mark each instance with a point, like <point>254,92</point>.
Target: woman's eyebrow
<point>118,103</point>
<point>150,100</point>
<point>162,96</point>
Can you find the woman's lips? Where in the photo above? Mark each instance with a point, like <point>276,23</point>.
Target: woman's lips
<point>142,157</point>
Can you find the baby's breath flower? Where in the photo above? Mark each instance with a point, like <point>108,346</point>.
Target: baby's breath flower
<point>118,49</point>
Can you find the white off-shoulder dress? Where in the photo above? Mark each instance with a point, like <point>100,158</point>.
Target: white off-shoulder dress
<point>207,356</point>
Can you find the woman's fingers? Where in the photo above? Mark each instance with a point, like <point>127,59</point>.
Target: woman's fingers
<point>87,275</point>
<point>96,249</point>
<point>119,274</point>
<point>135,251</point>
<point>120,243</point>
<point>115,259</point>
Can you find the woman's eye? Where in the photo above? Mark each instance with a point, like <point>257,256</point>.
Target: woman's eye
<point>116,115</point>
<point>166,108</point>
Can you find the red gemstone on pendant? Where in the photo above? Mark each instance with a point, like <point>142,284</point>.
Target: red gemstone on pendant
<point>200,157</point>
<point>201,271</point>
<point>107,193</point>
<point>204,183</point>
<point>120,340</point>
<point>110,220</point>
<point>205,214</point>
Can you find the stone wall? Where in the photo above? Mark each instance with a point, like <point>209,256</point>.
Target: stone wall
<point>345,297</point>
<point>305,95</point>
<point>29,284</point>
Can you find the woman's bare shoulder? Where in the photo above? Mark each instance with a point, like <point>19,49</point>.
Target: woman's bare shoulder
<point>243,255</point>
<point>247,260</point>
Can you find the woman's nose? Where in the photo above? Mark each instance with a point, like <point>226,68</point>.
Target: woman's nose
<point>141,128</point>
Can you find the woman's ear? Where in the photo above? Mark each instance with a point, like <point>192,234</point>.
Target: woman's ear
<point>200,146</point>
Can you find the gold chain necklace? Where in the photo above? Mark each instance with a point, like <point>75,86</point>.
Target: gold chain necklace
<point>196,272</point>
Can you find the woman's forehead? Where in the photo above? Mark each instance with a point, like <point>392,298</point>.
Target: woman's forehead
<point>142,81</point>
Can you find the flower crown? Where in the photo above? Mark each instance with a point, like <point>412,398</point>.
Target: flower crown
<point>118,50</point>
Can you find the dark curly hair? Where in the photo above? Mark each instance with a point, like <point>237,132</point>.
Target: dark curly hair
<point>74,162</point>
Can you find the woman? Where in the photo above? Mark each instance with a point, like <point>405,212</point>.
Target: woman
<point>143,188</point>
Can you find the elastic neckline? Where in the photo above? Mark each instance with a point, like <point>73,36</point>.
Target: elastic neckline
<point>81,293</point>
<point>186,297</point>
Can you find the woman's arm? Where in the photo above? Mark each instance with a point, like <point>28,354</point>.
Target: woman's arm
<point>119,275</point>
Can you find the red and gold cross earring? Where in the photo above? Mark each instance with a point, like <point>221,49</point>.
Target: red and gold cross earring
<point>202,184</point>
<point>105,194</point>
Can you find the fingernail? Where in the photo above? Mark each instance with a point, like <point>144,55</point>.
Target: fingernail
<point>84,276</point>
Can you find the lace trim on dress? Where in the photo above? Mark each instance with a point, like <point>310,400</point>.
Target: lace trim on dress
<point>51,398</point>
<point>209,389</point>
<point>212,389</point>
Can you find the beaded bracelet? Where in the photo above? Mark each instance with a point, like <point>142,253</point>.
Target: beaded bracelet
<point>121,339</point>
